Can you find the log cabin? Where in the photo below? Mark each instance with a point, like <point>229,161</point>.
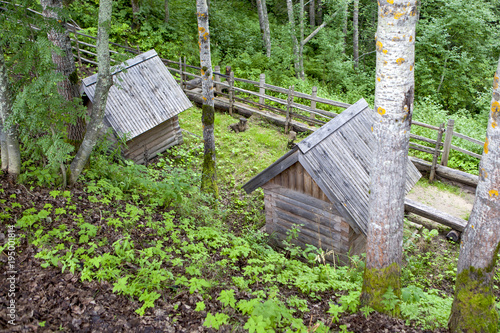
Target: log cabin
<point>321,186</point>
<point>142,107</point>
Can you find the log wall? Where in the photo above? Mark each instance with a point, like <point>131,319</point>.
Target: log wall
<point>322,225</point>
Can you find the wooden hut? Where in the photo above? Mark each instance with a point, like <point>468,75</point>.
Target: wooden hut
<point>322,185</point>
<point>143,106</point>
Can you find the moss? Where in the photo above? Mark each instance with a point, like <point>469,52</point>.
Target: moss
<point>73,77</point>
<point>375,284</point>
<point>209,175</point>
<point>207,115</point>
<point>473,308</point>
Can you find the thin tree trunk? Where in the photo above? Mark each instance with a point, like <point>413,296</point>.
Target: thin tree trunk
<point>264,26</point>
<point>209,172</point>
<point>3,148</point>
<point>167,12</point>
<point>474,308</point>
<point>65,64</point>
<point>355,49</point>
<point>135,11</point>
<point>319,13</point>
<point>291,22</point>
<point>10,146</point>
<point>301,44</point>
<point>104,82</point>
<point>344,30</point>
<point>312,13</point>
<point>394,91</point>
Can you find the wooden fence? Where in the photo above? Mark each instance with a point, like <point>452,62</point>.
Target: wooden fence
<point>285,102</point>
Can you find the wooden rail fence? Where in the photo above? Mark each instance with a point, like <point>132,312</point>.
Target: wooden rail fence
<point>285,106</point>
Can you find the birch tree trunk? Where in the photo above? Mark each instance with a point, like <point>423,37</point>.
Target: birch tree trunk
<point>167,12</point>
<point>344,30</point>
<point>394,90</point>
<point>291,22</point>
<point>10,143</point>
<point>473,308</point>
<point>209,172</point>
<point>65,64</point>
<point>264,26</point>
<point>312,13</point>
<point>355,47</point>
<point>301,44</point>
<point>104,82</point>
<point>135,11</point>
<point>3,148</point>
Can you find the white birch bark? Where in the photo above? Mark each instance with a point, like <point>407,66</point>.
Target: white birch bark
<point>65,64</point>
<point>301,44</point>
<point>394,90</point>
<point>264,26</point>
<point>355,42</point>
<point>209,174</point>
<point>10,144</point>
<point>291,22</point>
<point>3,149</point>
<point>474,304</point>
<point>104,82</point>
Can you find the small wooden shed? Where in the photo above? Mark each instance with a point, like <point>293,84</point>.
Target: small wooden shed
<point>143,106</point>
<point>322,185</point>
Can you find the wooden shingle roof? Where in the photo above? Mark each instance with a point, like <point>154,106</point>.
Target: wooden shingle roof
<point>338,157</point>
<point>144,94</point>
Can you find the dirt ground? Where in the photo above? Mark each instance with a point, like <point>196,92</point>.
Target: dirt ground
<point>458,205</point>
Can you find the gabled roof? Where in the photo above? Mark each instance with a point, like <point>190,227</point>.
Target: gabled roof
<point>338,157</point>
<point>144,94</point>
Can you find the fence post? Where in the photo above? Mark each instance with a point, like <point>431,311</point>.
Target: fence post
<point>314,93</point>
<point>436,153</point>
<point>231,92</point>
<point>217,79</point>
<point>181,83</point>
<point>184,70</point>
<point>289,108</point>
<point>262,90</point>
<point>447,142</point>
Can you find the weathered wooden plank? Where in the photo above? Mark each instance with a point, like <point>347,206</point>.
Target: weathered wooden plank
<point>435,215</point>
<point>299,171</point>
<point>325,131</point>
<point>305,235</point>
<point>468,138</point>
<point>448,173</point>
<point>270,172</point>
<point>307,182</point>
<point>418,123</point>
<point>292,177</point>
<point>424,139</point>
<point>304,200</point>
<point>465,151</point>
<point>306,214</point>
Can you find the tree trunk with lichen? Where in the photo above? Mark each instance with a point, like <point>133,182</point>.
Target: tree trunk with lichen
<point>167,12</point>
<point>295,45</point>
<point>312,13</point>
<point>264,26</point>
<point>474,308</point>
<point>11,154</point>
<point>209,173</point>
<point>65,64</point>
<point>104,82</point>
<point>394,89</point>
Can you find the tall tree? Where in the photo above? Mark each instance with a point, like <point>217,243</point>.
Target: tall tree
<point>355,42</point>
<point>209,172</point>
<point>104,82</point>
<point>167,12</point>
<point>11,155</point>
<point>474,308</point>
<point>312,13</point>
<point>301,44</point>
<point>295,45</point>
<point>394,90</point>
<point>65,64</point>
<point>264,26</point>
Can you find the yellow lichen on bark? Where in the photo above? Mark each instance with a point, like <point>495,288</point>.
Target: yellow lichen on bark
<point>493,124</point>
<point>486,143</point>
<point>381,111</point>
<point>378,79</point>
<point>495,107</point>
<point>411,38</point>
<point>493,193</point>
<point>390,1</point>
<point>385,51</point>
<point>379,45</point>
<point>495,81</point>
<point>400,61</point>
